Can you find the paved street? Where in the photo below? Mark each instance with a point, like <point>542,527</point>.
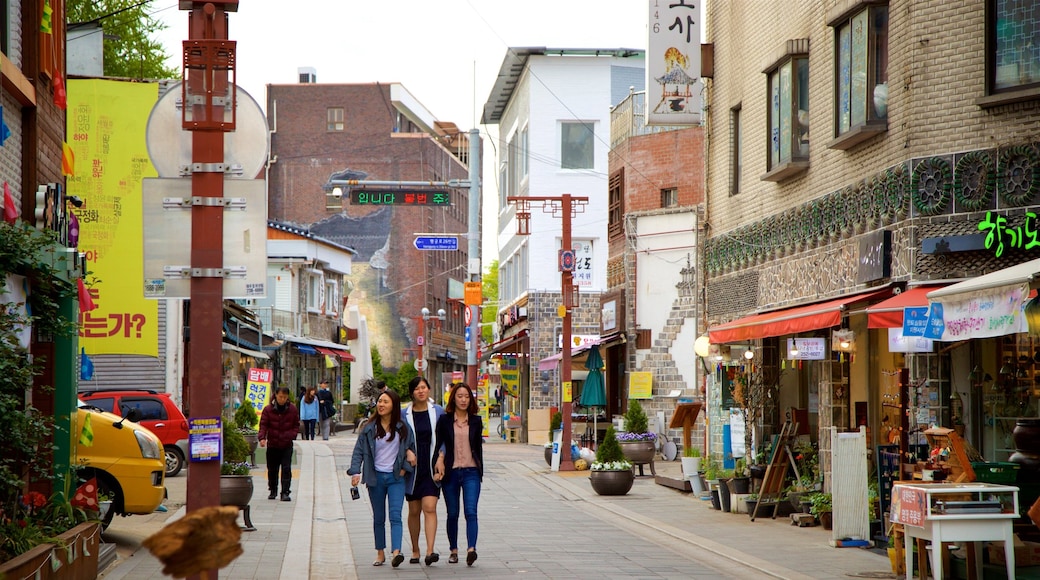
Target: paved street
<point>533,523</point>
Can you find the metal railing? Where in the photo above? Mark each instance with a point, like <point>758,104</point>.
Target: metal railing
<point>628,119</point>
<point>297,323</point>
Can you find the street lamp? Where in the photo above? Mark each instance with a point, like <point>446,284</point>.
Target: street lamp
<point>421,364</point>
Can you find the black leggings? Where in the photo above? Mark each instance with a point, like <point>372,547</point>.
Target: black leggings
<point>308,428</point>
<point>279,458</point>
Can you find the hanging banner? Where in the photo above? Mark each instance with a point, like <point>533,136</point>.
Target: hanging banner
<point>510,373</point>
<point>258,387</point>
<point>982,315</point>
<point>106,127</point>
<point>640,385</point>
<point>673,63</point>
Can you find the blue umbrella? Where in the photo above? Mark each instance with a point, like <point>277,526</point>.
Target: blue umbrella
<point>593,393</point>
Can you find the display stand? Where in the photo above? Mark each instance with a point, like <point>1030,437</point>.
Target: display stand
<point>684,417</point>
<point>958,464</point>
<point>776,472</point>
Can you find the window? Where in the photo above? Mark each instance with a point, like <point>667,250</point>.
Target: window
<point>334,117</point>
<point>1013,45</point>
<point>503,187</point>
<point>616,205</point>
<point>861,46</point>
<point>523,153</point>
<point>513,164</point>
<point>314,291</point>
<point>669,197</point>
<point>576,145</point>
<point>788,115</point>
<point>328,305</point>
<point>736,150</point>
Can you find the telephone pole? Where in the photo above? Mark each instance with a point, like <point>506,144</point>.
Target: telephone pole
<point>566,207</point>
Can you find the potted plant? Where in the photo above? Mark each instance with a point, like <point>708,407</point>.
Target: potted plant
<point>245,422</point>
<point>711,476</point>
<point>611,473</point>
<point>637,442</point>
<point>691,462</point>
<point>724,491</point>
<point>554,425</point>
<point>752,502</point>
<point>741,482</point>
<point>820,506</point>
<point>236,483</point>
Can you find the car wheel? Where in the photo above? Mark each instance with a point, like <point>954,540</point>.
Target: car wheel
<point>174,461</point>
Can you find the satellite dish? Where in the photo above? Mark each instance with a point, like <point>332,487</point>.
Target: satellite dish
<point>169,145</point>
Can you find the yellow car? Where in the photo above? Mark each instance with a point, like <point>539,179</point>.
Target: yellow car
<point>127,460</point>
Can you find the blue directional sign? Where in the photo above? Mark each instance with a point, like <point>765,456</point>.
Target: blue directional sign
<point>450,243</point>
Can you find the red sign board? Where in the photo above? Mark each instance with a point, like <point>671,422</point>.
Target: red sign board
<point>908,506</point>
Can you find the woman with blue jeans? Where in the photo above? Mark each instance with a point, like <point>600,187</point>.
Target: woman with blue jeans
<point>460,466</point>
<point>385,455</point>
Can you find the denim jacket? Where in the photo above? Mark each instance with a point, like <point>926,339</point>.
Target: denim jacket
<point>363,459</point>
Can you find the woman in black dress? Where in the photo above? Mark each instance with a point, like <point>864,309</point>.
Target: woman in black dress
<point>422,416</point>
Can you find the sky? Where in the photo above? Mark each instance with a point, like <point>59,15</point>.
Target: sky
<point>446,53</point>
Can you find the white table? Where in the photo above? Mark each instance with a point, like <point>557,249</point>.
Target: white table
<point>918,507</point>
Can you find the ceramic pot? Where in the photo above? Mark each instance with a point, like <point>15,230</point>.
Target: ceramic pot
<point>612,482</point>
<point>236,490</point>
<point>638,451</point>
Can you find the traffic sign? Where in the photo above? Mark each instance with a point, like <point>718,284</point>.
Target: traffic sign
<point>420,364</point>
<point>419,340</point>
<point>449,243</point>
<point>468,316</point>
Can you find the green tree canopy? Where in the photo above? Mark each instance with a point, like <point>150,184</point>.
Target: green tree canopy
<point>490,293</point>
<point>130,49</point>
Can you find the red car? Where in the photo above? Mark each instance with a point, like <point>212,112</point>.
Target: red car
<point>159,415</point>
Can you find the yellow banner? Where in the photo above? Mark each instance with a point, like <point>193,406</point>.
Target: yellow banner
<point>258,388</point>
<point>510,374</point>
<point>640,385</point>
<point>106,126</point>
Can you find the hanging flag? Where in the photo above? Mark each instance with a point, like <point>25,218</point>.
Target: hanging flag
<point>45,22</point>
<point>86,302</point>
<point>329,363</point>
<point>10,211</point>
<point>86,434</point>
<point>61,98</point>
<point>5,132</point>
<point>68,159</point>
<point>86,366</point>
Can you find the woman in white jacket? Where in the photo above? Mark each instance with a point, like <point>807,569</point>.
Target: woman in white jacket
<point>421,415</point>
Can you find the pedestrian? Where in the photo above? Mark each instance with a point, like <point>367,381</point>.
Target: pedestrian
<point>279,424</point>
<point>385,455</point>
<point>421,415</point>
<point>326,408</point>
<point>309,413</point>
<point>460,466</point>
<point>500,398</point>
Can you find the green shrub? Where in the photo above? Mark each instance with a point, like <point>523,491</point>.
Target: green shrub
<point>555,423</point>
<point>819,502</point>
<point>635,418</point>
<point>691,451</point>
<point>245,416</point>
<point>740,468</point>
<point>236,450</point>
<point>609,450</point>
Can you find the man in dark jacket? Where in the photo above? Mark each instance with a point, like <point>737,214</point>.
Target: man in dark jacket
<point>326,409</point>
<point>279,424</point>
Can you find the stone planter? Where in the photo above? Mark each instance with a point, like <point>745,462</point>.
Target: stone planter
<point>612,482</point>
<point>638,451</point>
<point>236,490</point>
<point>81,562</point>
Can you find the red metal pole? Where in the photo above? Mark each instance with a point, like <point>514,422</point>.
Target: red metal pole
<point>567,282</point>
<point>422,344</point>
<point>206,22</point>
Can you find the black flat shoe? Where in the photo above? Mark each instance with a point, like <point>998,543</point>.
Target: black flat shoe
<point>431,558</point>
<point>272,495</point>
<point>413,560</point>
<point>398,558</point>
<point>471,557</point>
<point>453,559</point>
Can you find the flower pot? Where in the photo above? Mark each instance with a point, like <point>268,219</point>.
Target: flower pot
<point>548,456</point>
<point>638,451</point>
<point>697,484</point>
<point>740,485</point>
<point>690,467</point>
<point>826,519</point>
<point>78,563</point>
<point>716,503</point>
<point>612,482</point>
<point>757,471</point>
<point>724,494</point>
<point>236,490</point>
<point>751,505</point>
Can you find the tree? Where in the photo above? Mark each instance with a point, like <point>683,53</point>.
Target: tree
<point>130,50</point>
<point>490,293</point>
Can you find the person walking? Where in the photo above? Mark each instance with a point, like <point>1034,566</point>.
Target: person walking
<point>279,424</point>
<point>421,415</point>
<point>309,413</point>
<point>460,466</point>
<point>326,408</point>
<point>384,459</point>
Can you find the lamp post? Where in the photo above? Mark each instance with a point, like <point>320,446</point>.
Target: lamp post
<point>421,339</point>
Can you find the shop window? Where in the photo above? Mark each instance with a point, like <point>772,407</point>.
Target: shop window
<point>861,75</point>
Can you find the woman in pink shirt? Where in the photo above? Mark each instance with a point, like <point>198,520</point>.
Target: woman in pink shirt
<point>460,466</point>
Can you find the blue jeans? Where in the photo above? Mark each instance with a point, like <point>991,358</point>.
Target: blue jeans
<point>466,481</point>
<point>386,487</point>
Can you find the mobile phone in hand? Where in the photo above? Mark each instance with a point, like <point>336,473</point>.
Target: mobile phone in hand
<point>354,493</point>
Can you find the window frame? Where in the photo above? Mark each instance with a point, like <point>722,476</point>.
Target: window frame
<point>590,157</point>
<point>616,205</point>
<point>1005,95</point>
<point>873,124</point>
<point>736,150</point>
<point>334,123</point>
<point>796,162</point>
<point>669,197</point>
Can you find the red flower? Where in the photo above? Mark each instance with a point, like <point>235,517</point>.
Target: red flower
<point>798,457</point>
<point>22,523</point>
<point>35,499</point>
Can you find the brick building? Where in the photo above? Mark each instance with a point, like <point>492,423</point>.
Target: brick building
<point>854,148</point>
<point>376,132</point>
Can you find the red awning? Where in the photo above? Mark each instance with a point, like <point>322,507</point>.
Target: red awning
<point>342,354</point>
<point>790,320</point>
<point>889,313</point>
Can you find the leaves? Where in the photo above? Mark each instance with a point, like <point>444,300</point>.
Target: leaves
<point>130,50</point>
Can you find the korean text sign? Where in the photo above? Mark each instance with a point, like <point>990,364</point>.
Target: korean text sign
<point>258,387</point>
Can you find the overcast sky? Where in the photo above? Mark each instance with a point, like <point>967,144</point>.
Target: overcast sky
<point>445,52</point>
